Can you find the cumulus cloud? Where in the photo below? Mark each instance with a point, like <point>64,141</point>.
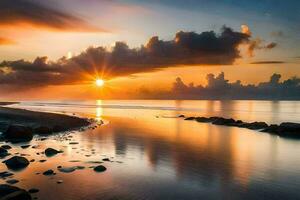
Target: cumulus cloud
<point>187,48</point>
<point>28,12</point>
<point>218,87</point>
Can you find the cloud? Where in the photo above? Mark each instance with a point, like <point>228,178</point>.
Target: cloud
<point>218,87</point>
<point>258,44</point>
<point>6,41</point>
<point>269,62</point>
<point>26,12</point>
<point>187,48</point>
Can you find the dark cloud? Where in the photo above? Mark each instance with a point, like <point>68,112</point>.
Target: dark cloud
<point>187,48</point>
<point>220,88</point>
<point>36,14</point>
<point>269,62</point>
<point>258,43</point>
<point>6,41</point>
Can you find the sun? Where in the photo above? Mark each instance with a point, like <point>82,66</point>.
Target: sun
<point>99,82</point>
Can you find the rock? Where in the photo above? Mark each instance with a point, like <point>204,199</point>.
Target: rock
<point>289,129</point>
<point>33,190</point>
<point>105,159</point>
<point>48,172</point>
<point>43,130</point>
<point>181,116</point>
<point>51,152</point>
<point>273,128</point>
<point>73,143</point>
<point>25,146</point>
<point>256,125</point>
<point>18,133</point>
<point>99,168</point>
<point>203,119</point>
<point>3,152</point>
<point>16,163</point>
<point>12,181</point>
<point>189,118</point>
<point>5,174</point>
<point>224,121</point>
<point>67,169</point>
<point>59,181</point>
<point>8,192</point>
<point>7,147</point>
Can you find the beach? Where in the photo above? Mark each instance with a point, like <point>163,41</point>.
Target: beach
<point>149,152</point>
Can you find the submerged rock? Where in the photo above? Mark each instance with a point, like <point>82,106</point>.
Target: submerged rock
<point>5,174</point>
<point>99,168</point>
<point>51,152</point>
<point>25,146</point>
<point>18,133</point>
<point>289,129</point>
<point>16,163</point>
<point>7,147</point>
<point>8,192</point>
<point>12,181</point>
<point>48,172</point>
<point>3,152</point>
<point>66,169</point>
<point>33,190</point>
<point>224,121</point>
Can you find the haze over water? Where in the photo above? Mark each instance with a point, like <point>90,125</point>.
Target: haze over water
<point>159,156</point>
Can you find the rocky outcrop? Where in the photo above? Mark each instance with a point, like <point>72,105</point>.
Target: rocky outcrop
<point>18,133</point>
<point>285,129</point>
<point>9,192</point>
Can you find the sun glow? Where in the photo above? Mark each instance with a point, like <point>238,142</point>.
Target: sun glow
<point>99,82</point>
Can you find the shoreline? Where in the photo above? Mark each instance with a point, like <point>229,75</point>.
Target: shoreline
<point>39,123</point>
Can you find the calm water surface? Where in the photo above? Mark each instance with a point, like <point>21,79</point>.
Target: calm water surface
<point>158,156</point>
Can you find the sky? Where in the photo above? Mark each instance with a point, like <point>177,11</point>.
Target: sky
<point>57,48</point>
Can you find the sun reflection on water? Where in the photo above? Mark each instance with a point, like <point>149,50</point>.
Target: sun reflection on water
<point>99,110</point>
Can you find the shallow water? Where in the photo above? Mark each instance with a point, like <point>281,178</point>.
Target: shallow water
<point>158,156</point>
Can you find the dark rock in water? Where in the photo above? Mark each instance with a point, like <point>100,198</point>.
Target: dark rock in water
<point>8,192</point>
<point>12,181</point>
<point>41,161</point>
<point>5,174</point>
<point>16,163</point>
<point>3,152</point>
<point>59,181</point>
<point>181,116</point>
<point>189,118</point>
<point>224,121</point>
<point>43,130</point>
<point>256,125</point>
<point>99,168</point>
<point>33,190</point>
<point>203,119</point>
<point>48,172</point>
<point>7,147</point>
<point>105,159</point>
<point>18,133</point>
<point>25,146</point>
<point>273,128</point>
<point>51,152</point>
<point>289,129</point>
<point>73,143</point>
<point>67,169</point>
